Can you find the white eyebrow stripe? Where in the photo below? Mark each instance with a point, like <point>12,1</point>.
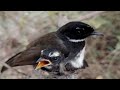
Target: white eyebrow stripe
<point>54,54</point>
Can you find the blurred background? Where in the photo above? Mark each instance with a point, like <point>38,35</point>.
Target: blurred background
<point>19,28</point>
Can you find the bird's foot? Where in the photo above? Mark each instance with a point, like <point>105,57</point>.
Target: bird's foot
<point>70,68</point>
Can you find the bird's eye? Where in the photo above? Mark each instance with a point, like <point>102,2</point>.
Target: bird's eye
<point>78,31</point>
<point>83,29</point>
<point>55,58</point>
<point>77,27</point>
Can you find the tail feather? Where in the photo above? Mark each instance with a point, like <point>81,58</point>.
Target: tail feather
<point>3,69</point>
<point>10,62</point>
<point>27,57</point>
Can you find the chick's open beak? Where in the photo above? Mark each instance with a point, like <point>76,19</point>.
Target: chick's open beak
<point>42,63</point>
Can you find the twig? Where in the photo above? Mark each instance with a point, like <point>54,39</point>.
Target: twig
<point>114,51</point>
<point>112,61</point>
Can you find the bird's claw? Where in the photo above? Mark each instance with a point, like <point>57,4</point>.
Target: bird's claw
<point>70,68</point>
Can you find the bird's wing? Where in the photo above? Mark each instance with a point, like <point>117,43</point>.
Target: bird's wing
<point>27,57</point>
<point>32,53</point>
<point>52,41</point>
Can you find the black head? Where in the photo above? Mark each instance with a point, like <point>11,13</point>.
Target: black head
<point>49,58</point>
<point>77,30</point>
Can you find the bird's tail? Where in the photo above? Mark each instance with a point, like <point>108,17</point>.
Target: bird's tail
<point>10,62</point>
<point>3,69</point>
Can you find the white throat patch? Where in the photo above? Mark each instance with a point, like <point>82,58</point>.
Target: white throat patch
<point>78,60</point>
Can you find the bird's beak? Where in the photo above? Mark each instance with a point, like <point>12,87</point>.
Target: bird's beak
<point>96,34</point>
<point>42,63</point>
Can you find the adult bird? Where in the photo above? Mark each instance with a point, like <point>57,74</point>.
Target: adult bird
<point>68,39</point>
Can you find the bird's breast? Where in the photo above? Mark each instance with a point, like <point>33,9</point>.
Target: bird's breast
<point>77,62</point>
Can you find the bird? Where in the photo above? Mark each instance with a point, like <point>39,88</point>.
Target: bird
<point>49,60</point>
<point>69,40</point>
